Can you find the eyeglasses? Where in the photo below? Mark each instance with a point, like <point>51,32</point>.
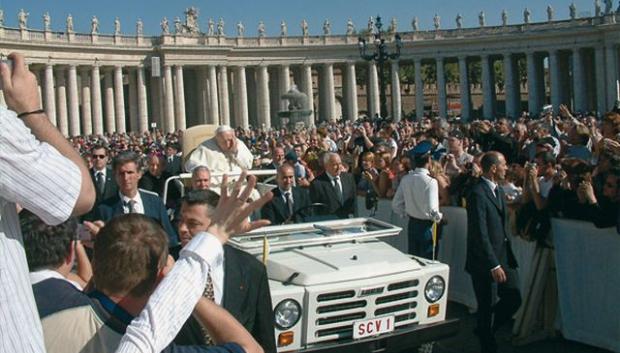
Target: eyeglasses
<point>99,156</point>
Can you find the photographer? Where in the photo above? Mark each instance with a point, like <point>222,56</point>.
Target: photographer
<point>43,173</point>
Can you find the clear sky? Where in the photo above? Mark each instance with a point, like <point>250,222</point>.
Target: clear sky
<point>250,12</point>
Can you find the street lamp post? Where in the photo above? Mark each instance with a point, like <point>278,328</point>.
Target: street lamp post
<point>380,55</point>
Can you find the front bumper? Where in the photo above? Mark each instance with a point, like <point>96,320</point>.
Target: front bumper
<point>396,341</point>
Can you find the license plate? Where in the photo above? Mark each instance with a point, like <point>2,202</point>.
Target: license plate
<point>373,327</point>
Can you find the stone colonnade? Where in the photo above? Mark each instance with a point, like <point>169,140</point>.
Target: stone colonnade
<point>112,87</point>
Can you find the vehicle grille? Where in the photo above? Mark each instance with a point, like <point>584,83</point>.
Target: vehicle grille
<point>337,311</point>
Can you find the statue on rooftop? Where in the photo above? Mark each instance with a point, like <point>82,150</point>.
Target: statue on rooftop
<point>165,27</point>
<point>220,27</point>
<point>178,26</point>
<point>414,24</point>
<point>1,17</point>
<point>261,29</point>
<point>240,29</point>
<point>69,24</point>
<point>504,17</point>
<point>437,22</point>
<point>304,27</point>
<point>572,9</point>
<point>191,20</point>
<point>393,25</point>
<point>211,27</point>
<point>527,14</point>
<point>283,29</point>
<point>139,27</point>
<point>327,28</point>
<point>459,21</point>
<point>350,27</point>
<point>481,19</point>
<point>549,13</point>
<point>597,8</point>
<point>94,25</point>
<point>22,19</point>
<point>46,21</point>
<point>371,24</point>
<point>609,7</point>
<point>117,26</point>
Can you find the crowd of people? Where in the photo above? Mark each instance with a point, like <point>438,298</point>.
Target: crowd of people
<point>129,295</point>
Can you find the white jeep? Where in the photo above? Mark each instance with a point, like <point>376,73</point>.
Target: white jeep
<point>335,286</point>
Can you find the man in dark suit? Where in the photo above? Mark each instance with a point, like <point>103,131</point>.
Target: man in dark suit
<point>130,199</point>
<point>334,189</point>
<point>173,161</point>
<point>289,203</point>
<point>242,288</point>
<point>490,260</point>
<point>101,174</point>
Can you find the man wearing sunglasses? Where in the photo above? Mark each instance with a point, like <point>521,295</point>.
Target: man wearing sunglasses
<point>101,173</point>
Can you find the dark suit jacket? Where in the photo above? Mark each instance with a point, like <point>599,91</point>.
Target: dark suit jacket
<point>153,207</point>
<point>277,212</point>
<point>174,168</point>
<point>323,191</point>
<point>110,189</point>
<point>488,244</point>
<point>246,297</point>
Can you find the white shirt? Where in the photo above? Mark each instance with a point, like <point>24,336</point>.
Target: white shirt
<point>417,196</point>
<point>36,176</point>
<point>492,185</point>
<point>42,275</point>
<point>102,171</point>
<point>174,298</point>
<point>138,206</point>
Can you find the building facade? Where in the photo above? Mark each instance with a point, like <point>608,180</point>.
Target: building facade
<point>95,83</point>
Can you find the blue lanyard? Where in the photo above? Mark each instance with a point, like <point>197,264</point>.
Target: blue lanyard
<point>111,307</point>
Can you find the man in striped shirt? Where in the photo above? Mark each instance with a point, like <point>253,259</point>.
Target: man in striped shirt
<point>40,171</point>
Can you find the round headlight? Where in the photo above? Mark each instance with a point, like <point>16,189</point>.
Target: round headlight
<point>286,314</point>
<point>434,289</point>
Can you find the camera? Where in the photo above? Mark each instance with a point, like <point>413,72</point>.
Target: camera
<point>530,165</point>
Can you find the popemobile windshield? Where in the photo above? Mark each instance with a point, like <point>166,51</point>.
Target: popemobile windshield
<point>336,286</point>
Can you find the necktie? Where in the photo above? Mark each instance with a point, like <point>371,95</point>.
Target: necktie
<point>338,188</point>
<point>209,293</point>
<point>100,183</point>
<point>131,206</point>
<point>289,203</point>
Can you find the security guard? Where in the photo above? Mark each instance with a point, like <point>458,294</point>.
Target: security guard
<point>418,198</point>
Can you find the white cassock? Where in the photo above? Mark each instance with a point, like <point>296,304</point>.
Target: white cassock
<point>209,154</point>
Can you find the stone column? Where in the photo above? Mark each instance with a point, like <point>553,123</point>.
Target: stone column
<point>87,122</point>
<point>224,101</point>
<point>61,99</point>
<point>119,99</point>
<point>441,89</point>
<point>464,88</point>
<point>50,96</point>
<point>532,84</point>
<point>133,99</point>
<point>241,93</point>
<point>488,87</point>
<point>143,114</point>
<point>330,92</point>
<point>306,87</point>
<point>95,91</point>
<point>202,93</point>
<point>351,91</point>
<point>511,87</point>
<point>419,89</point>
<point>110,114</point>
<point>611,70</point>
<point>554,75</point>
<point>396,99</point>
<point>179,98</point>
<point>599,62</point>
<point>213,116</point>
<point>373,90</point>
<point>169,100</point>
<point>579,98</point>
<point>284,83</point>
<point>264,111</point>
<point>74,102</point>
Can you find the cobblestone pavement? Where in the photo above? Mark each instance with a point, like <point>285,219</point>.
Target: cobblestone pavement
<point>466,342</point>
